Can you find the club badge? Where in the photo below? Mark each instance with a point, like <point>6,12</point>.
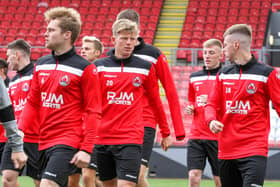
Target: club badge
<point>251,88</point>
<point>137,81</point>
<point>64,81</point>
<point>25,87</point>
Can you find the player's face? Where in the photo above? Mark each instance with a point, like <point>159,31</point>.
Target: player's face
<point>54,37</point>
<point>13,59</point>
<point>212,56</point>
<point>88,51</point>
<point>229,49</point>
<point>124,43</point>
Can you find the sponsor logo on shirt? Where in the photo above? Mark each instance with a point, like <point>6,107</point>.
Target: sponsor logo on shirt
<point>237,107</point>
<point>25,87</point>
<point>51,100</point>
<point>19,104</point>
<point>137,81</point>
<point>123,98</point>
<point>64,81</point>
<point>251,88</point>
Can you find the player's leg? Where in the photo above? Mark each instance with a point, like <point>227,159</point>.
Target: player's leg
<point>88,177</point>
<point>58,167</point>
<point>196,160</point>
<point>148,142</point>
<point>89,174</point>
<point>230,174</point>
<point>32,165</point>
<point>74,179</point>
<point>211,147</point>
<point>9,173</point>
<point>128,159</point>
<point>253,170</point>
<point>106,165</point>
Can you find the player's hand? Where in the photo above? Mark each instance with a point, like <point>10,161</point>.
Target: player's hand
<point>81,159</point>
<point>166,143</point>
<point>189,109</point>
<point>216,126</point>
<point>19,159</point>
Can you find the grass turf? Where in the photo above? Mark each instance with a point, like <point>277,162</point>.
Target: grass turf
<point>27,182</point>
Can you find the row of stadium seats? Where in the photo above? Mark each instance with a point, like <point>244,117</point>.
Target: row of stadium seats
<point>24,19</point>
<point>209,19</point>
<point>81,3</point>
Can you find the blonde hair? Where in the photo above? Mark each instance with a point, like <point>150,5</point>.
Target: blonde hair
<point>241,29</point>
<point>124,25</point>
<point>69,20</point>
<point>96,42</point>
<point>213,42</point>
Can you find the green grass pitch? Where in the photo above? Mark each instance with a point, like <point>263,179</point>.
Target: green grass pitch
<point>27,182</point>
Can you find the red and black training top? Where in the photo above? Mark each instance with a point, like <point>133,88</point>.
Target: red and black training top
<point>18,91</point>
<point>123,83</point>
<point>242,94</point>
<point>63,88</point>
<point>201,82</point>
<point>162,71</point>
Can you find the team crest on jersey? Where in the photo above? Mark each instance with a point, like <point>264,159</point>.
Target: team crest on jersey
<point>137,81</point>
<point>94,71</point>
<point>25,87</point>
<point>251,88</point>
<point>64,81</point>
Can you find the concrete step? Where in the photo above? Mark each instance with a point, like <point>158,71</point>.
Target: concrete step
<point>165,45</point>
<point>170,25</point>
<point>170,29</point>
<point>164,33</point>
<point>168,21</point>
<point>167,37</point>
<point>171,14</point>
<point>176,7</point>
<point>166,41</point>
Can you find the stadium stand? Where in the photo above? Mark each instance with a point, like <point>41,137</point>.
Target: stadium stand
<point>203,21</point>
<point>24,19</point>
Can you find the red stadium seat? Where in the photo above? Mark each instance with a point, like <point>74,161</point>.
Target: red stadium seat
<point>254,12</point>
<point>186,35</point>
<point>211,19</point>
<point>181,54</point>
<point>233,12</point>
<point>212,12</point>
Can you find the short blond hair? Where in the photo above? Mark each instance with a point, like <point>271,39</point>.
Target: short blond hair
<point>124,25</point>
<point>213,42</point>
<point>70,20</point>
<point>95,41</point>
<point>242,29</point>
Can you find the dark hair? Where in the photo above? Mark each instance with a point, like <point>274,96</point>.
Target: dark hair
<point>130,14</point>
<point>22,45</point>
<point>4,65</point>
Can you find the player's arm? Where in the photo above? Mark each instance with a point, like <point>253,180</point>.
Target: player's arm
<point>152,89</point>
<point>191,98</point>
<point>166,79</point>
<point>8,121</point>
<point>91,91</point>
<point>212,106</point>
<point>30,113</point>
<point>274,89</point>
